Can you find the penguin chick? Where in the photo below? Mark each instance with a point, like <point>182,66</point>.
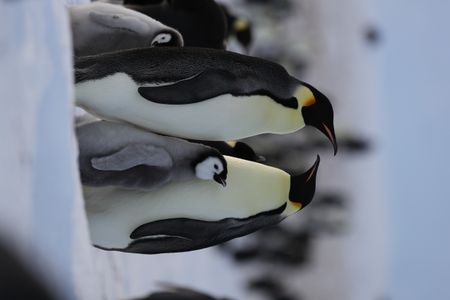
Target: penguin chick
<point>102,27</point>
<point>206,94</point>
<point>114,154</point>
<point>192,215</point>
<point>201,22</point>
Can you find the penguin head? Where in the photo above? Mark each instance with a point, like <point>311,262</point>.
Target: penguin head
<point>211,166</point>
<point>303,187</point>
<point>167,39</point>
<point>317,111</point>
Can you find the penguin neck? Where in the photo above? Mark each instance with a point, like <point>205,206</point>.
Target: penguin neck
<point>184,172</point>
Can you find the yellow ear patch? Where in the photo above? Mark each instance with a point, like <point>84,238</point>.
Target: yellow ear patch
<point>296,205</point>
<point>232,143</point>
<point>240,25</point>
<point>309,101</point>
<point>305,96</point>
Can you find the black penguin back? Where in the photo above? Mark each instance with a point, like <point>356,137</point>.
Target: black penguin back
<point>199,73</point>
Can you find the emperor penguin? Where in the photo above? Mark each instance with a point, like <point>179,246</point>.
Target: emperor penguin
<point>120,155</point>
<point>185,216</point>
<point>101,27</point>
<point>199,93</point>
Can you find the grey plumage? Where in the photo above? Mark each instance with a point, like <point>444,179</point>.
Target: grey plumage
<point>102,27</point>
<point>114,154</point>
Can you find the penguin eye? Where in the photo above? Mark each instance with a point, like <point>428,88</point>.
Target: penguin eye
<point>216,167</point>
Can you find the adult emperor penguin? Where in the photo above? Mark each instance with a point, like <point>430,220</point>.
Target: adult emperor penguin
<point>102,27</point>
<point>199,93</point>
<point>115,154</point>
<point>186,216</point>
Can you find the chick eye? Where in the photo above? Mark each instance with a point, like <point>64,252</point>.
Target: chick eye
<point>216,167</point>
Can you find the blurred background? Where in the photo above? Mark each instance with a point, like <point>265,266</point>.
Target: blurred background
<point>378,228</point>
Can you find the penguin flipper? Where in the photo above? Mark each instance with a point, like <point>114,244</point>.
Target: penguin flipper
<point>113,20</point>
<point>203,86</point>
<point>131,156</point>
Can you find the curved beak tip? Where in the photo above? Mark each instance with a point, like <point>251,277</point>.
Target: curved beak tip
<point>329,132</point>
<point>314,168</point>
<point>219,179</point>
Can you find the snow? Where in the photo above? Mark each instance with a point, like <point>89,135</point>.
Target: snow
<point>40,186</point>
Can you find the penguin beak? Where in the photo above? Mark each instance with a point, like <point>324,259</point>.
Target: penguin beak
<point>221,178</point>
<point>328,130</point>
<point>317,111</point>
<point>303,186</point>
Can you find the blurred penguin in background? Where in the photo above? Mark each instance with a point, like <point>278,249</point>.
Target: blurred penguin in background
<point>201,22</point>
<point>17,281</point>
<point>102,27</point>
<point>238,28</point>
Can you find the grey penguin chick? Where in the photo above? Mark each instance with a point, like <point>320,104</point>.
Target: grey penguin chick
<point>102,27</point>
<point>119,155</point>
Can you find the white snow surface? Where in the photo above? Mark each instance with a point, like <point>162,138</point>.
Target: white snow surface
<point>41,207</point>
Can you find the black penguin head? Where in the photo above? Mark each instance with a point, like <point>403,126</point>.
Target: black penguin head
<point>303,186</point>
<point>318,112</point>
<point>211,165</point>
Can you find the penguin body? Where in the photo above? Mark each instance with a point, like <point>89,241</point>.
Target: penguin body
<point>102,27</point>
<point>197,93</point>
<point>120,155</point>
<point>185,216</point>
<point>201,22</point>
